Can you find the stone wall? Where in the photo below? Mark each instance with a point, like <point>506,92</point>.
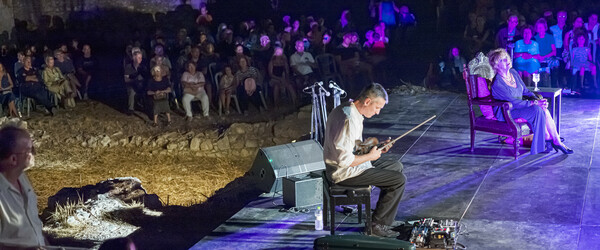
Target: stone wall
<point>239,140</point>
<point>30,10</point>
<point>6,16</point>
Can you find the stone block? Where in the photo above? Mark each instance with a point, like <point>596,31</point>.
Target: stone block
<point>206,145</point>
<point>223,144</point>
<point>251,143</point>
<point>195,144</point>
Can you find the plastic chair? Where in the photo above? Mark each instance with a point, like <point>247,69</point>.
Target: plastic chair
<point>574,71</point>
<point>233,95</point>
<point>328,68</point>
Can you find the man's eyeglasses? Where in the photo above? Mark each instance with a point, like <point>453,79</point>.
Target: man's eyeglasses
<point>32,151</point>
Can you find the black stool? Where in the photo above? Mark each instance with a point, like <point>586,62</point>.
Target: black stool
<point>334,195</point>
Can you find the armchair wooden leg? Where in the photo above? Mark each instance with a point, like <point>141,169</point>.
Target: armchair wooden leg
<point>472,140</point>
<point>516,145</point>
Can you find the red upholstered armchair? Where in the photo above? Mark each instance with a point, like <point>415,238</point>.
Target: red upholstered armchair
<point>487,123</point>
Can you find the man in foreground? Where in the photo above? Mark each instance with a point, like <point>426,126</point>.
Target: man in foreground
<point>344,127</point>
<point>20,226</point>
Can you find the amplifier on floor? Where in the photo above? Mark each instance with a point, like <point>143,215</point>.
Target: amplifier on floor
<point>302,191</point>
<point>286,160</point>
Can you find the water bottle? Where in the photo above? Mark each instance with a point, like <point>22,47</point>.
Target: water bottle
<point>318,219</point>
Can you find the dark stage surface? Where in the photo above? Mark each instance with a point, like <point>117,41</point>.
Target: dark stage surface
<point>545,201</point>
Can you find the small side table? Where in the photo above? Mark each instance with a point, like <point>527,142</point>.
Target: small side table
<point>555,99</point>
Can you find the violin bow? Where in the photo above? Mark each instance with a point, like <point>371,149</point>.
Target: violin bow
<point>407,132</point>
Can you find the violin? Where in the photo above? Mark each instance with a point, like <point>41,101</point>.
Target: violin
<point>364,147</point>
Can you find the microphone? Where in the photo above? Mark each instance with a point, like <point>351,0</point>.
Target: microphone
<point>320,84</point>
<point>333,85</point>
<point>326,92</point>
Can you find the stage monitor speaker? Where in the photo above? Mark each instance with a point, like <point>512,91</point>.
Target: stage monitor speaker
<point>286,160</point>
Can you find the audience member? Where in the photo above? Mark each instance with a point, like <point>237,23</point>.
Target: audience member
<point>527,56</point>
<point>302,63</point>
<point>344,26</point>
<point>349,61</point>
<point>30,80</point>
<point>547,56</point>
<point>158,89</point>
<point>327,44</point>
<point>406,18</point>
<point>7,58</point>
<point>239,53</point>
<point>195,56</point>
<point>136,75</point>
<point>558,30</point>
<point>165,66</point>
<point>507,36</point>
<point>472,25</point>
<point>7,97</point>
<point>203,43</point>
<point>181,40</point>
<point>478,37</point>
<point>227,86</point>
<point>247,78</point>
<point>262,55</point>
<point>452,69</point>
<point>569,41</point>
<point>21,226</point>
<point>315,36</point>
<point>582,59</point>
<point>549,17</point>
<point>387,10</point>
<point>226,47</point>
<point>74,50</point>
<point>85,69</point>
<point>57,83</point>
<point>204,19</point>
<point>194,89</point>
<point>406,23</point>
<point>19,63</point>
<point>368,44</point>
<point>279,72</point>
<point>592,27</point>
<point>65,64</point>
<point>159,54</point>
<point>296,33</point>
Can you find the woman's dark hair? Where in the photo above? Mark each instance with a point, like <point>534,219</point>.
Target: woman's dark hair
<point>576,36</point>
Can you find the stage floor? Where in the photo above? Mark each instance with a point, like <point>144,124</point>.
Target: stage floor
<point>544,201</point>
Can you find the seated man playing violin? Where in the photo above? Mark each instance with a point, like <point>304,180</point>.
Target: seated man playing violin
<point>343,167</point>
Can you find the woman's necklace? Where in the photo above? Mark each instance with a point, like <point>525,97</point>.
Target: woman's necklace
<point>510,80</point>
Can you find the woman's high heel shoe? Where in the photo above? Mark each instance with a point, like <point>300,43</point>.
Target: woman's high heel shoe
<point>562,148</point>
<point>549,146</point>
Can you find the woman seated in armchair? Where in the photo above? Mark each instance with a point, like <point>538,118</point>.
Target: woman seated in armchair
<point>508,86</point>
